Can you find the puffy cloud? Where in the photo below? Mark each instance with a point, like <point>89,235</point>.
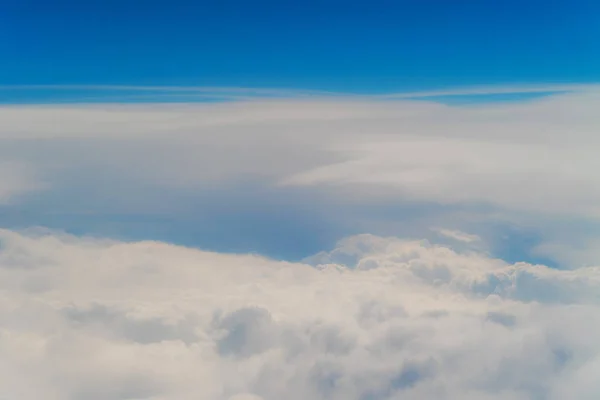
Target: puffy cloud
<point>375,318</point>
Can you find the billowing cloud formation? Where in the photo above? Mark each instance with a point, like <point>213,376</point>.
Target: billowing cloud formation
<point>375,318</point>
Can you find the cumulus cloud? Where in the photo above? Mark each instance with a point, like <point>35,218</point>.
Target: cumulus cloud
<point>374,318</point>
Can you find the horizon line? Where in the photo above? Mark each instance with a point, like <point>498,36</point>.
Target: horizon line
<point>235,93</point>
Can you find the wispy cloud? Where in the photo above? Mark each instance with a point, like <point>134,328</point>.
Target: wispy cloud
<point>17,179</point>
<point>50,93</point>
<point>457,235</point>
<point>493,162</point>
<point>496,89</point>
<point>189,93</point>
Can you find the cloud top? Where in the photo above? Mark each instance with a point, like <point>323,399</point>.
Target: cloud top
<point>375,318</point>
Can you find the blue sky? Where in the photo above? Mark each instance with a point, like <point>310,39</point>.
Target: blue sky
<point>114,52</point>
<point>348,46</point>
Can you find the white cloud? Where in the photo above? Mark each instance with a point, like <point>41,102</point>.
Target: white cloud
<point>495,89</point>
<point>457,235</point>
<point>236,93</point>
<point>16,179</point>
<point>536,158</point>
<point>86,318</point>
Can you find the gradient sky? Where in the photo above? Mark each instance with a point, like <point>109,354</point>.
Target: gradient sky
<point>112,51</point>
<point>348,46</point>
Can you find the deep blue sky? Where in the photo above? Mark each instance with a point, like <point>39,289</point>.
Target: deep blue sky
<point>356,46</point>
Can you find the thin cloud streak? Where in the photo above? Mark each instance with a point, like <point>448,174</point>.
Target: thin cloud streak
<point>248,93</point>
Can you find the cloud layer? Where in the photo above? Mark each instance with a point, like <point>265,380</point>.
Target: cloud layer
<point>17,179</point>
<point>375,318</point>
<point>333,161</point>
<point>536,155</point>
<point>533,156</point>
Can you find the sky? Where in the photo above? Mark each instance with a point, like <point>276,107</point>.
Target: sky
<point>348,46</point>
<point>233,200</point>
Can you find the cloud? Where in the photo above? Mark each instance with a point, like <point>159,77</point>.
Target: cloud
<point>457,235</point>
<point>243,93</point>
<point>17,179</point>
<point>491,90</point>
<point>334,161</point>
<point>374,318</point>
<point>120,93</point>
<point>514,156</point>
